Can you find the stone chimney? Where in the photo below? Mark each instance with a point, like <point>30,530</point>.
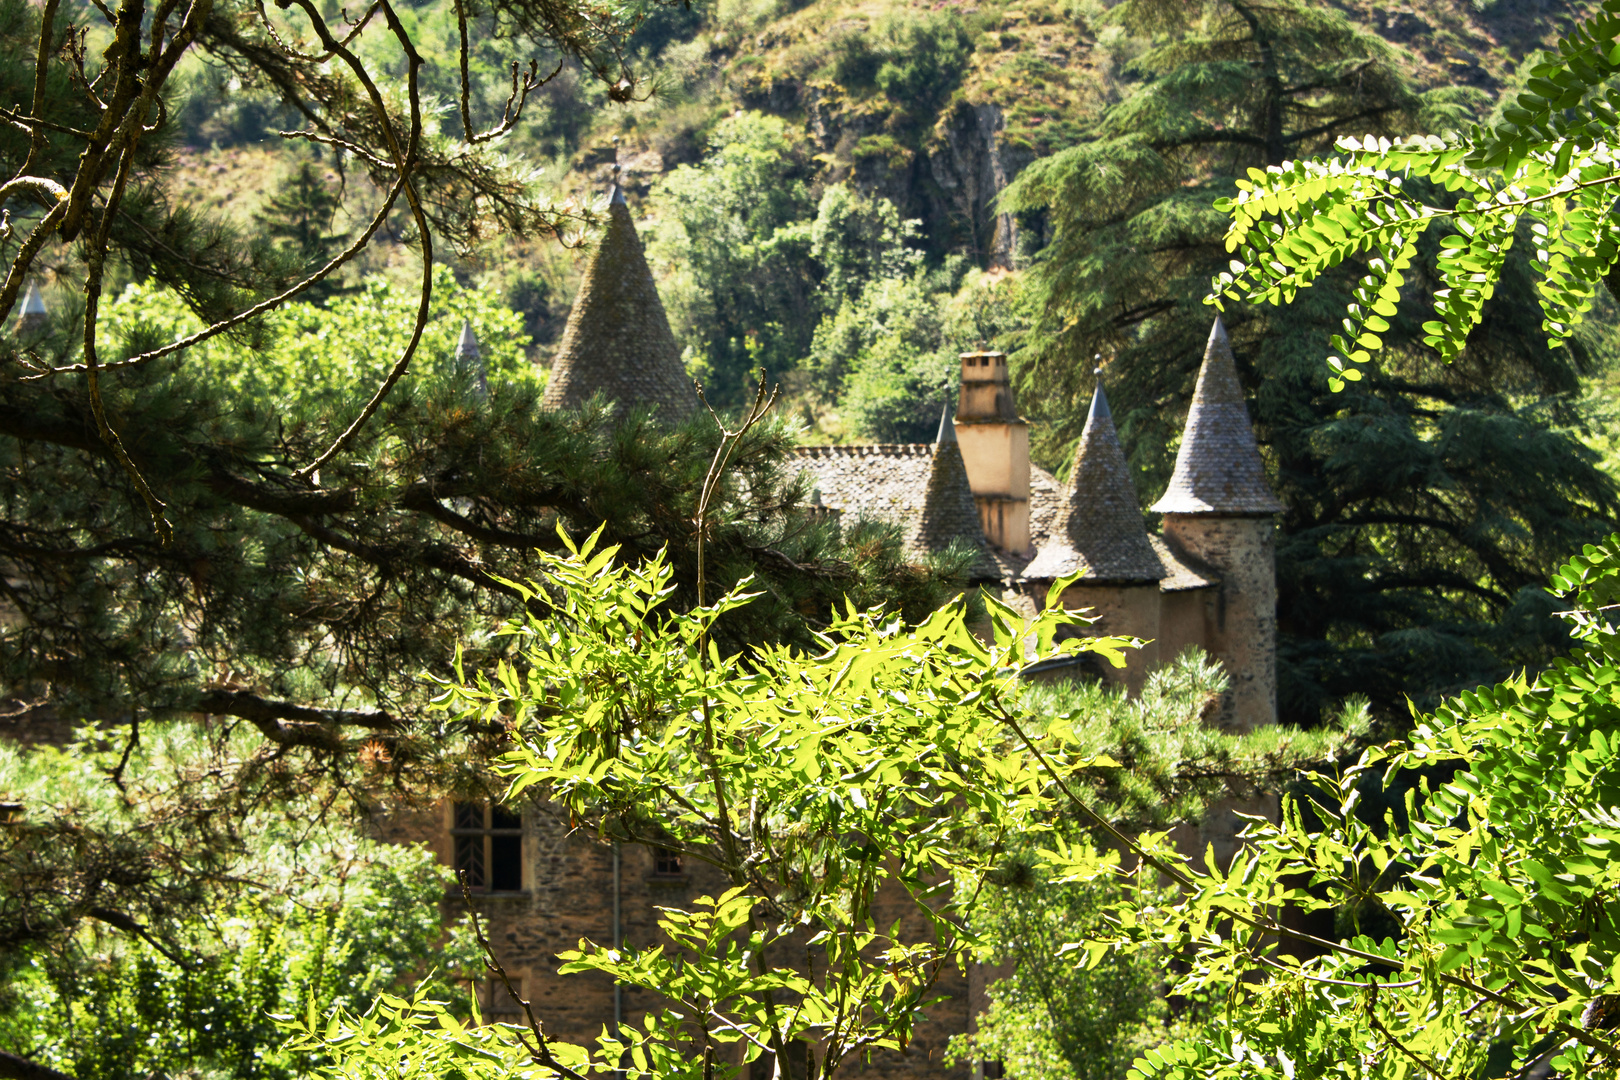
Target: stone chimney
<point>995,447</point>
<point>1220,509</point>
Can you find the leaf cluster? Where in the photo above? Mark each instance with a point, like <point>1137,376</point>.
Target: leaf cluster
<point>1493,879</point>
<point>880,759</point>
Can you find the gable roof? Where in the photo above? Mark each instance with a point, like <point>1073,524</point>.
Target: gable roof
<point>1218,468</point>
<point>1100,527</point>
<point>618,340</point>
<point>922,487</point>
<point>882,481</point>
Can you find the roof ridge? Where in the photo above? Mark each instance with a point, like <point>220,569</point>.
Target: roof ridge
<point>1218,468</point>
<point>618,341</point>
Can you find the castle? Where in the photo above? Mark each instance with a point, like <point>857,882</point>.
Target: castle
<point>1207,579</point>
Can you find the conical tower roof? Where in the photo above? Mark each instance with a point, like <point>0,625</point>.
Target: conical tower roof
<point>32,314</point>
<point>949,511</point>
<point>470,358</point>
<point>1218,469</point>
<point>618,340</point>
<point>1101,528</point>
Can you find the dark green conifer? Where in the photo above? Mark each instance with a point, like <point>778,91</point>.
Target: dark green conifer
<point>298,219</point>
<point>1424,504</point>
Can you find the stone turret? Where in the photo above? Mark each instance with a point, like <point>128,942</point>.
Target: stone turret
<point>948,511</point>
<point>618,340</point>
<point>995,446</point>
<point>470,360</point>
<point>31,315</point>
<point>1219,509</point>
<point>1100,530</point>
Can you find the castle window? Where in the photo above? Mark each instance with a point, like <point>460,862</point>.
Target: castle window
<point>495,1001</point>
<point>666,863</point>
<point>488,843</point>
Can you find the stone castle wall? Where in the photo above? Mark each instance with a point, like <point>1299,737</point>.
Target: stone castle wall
<point>568,895</point>
<point>1240,626</point>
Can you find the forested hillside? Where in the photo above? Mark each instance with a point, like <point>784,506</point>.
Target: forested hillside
<point>847,194</point>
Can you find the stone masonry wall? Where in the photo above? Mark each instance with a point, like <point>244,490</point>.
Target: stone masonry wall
<point>1128,610</point>
<point>1241,628</point>
<point>568,895</point>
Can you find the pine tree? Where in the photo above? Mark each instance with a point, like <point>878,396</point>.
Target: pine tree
<point>298,216</point>
<point>1426,502</point>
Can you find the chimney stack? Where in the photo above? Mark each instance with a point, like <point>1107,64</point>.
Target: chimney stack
<point>995,447</point>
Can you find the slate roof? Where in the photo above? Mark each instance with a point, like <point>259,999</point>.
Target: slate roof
<point>948,509</point>
<point>32,314</point>
<point>882,481</point>
<point>920,486</point>
<point>618,339</point>
<point>1218,469</point>
<point>1100,528</point>
<point>1181,570</point>
<point>1046,503</point>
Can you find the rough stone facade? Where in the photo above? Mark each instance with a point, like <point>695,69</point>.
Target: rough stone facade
<point>1239,617</point>
<point>572,891</point>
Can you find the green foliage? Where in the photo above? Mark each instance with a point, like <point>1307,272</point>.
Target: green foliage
<point>914,60</point>
<point>1053,1016</point>
<point>894,346</point>
<point>1496,878</point>
<point>1175,765</point>
<point>198,929</point>
<point>922,58</point>
<point>1545,164</point>
<point>1424,505</point>
<point>882,759</point>
<point>890,757</point>
<point>900,370</point>
<point>734,235</point>
<point>313,358</point>
<point>298,216</point>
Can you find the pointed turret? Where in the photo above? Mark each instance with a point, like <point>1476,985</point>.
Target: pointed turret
<point>949,512</point>
<point>618,340</point>
<point>1218,469</point>
<point>1219,510</point>
<point>470,359</point>
<point>1100,529</point>
<point>32,316</point>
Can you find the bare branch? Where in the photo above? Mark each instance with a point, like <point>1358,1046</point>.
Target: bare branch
<point>540,1049</point>
<point>404,160</point>
<point>47,31</point>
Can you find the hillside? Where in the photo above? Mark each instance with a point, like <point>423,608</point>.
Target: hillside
<point>848,193</point>
<point>933,106</point>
